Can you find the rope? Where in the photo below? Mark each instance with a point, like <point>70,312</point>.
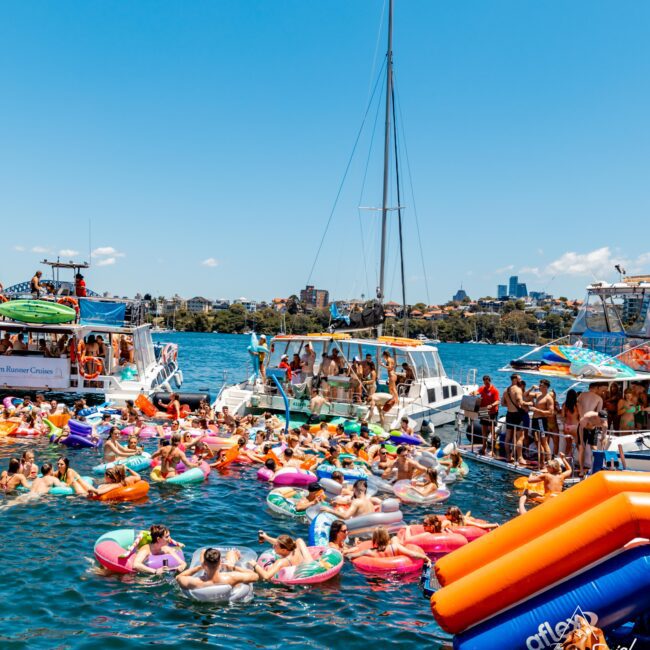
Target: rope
<point>340,189</point>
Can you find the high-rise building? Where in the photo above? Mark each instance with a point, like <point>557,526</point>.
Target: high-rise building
<point>522,290</point>
<point>314,298</point>
<point>512,286</point>
<point>460,295</point>
<point>502,291</point>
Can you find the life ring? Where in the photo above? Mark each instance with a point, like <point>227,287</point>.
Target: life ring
<point>169,353</point>
<point>70,302</point>
<point>3,298</point>
<point>97,367</point>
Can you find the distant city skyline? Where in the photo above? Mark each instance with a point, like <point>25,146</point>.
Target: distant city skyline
<point>200,149</point>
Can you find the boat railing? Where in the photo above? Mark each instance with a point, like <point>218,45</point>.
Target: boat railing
<point>463,375</point>
<point>470,439</point>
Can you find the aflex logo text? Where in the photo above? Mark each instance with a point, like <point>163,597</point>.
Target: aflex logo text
<point>549,636</point>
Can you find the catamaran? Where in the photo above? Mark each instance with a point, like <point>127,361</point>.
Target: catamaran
<point>425,393</point>
<point>51,356</point>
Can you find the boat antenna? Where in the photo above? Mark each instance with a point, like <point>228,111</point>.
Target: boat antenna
<point>384,205</point>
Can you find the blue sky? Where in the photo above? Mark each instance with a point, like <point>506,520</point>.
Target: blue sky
<point>205,142</point>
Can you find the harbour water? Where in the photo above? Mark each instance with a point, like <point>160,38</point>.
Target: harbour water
<point>54,596</point>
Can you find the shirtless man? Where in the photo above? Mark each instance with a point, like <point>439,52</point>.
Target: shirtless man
<point>553,477</point>
<point>19,343</point>
<point>513,400</point>
<point>307,361</point>
<point>406,467</point>
<point>317,402</point>
<point>591,400</point>
<point>10,479</point>
<point>590,425</point>
<point>543,409</point>
<point>170,455</point>
<point>361,503</point>
<point>42,484</point>
<point>315,494</point>
<point>212,575</point>
<point>228,419</point>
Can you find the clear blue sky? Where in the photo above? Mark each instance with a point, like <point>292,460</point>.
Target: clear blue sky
<point>205,142</point>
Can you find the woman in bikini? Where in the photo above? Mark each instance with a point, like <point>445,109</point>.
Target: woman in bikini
<point>389,364</point>
<point>290,552</point>
<point>71,477</point>
<point>570,417</point>
<point>113,450</point>
<point>384,546</point>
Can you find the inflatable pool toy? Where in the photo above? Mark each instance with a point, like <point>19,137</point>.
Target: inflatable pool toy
<point>325,470</point>
<point>229,456</point>
<point>187,477</point>
<point>401,438</point>
<point>7,428</point>
<point>326,563</point>
<point>587,362</point>
<point>241,593</point>
<point>351,427</point>
<point>53,431</point>
<point>146,431</point>
<point>333,489</point>
<point>68,490</point>
<point>433,544</point>
<point>522,484</point>
<point>399,564</point>
<point>376,430</point>
<point>389,516</point>
<point>137,463</point>
<point>133,492</point>
<point>112,552</point>
<point>405,492</point>
<point>8,402</point>
<point>293,476</point>
<point>216,443</point>
<point>37,311</point>
<point>283,501</point>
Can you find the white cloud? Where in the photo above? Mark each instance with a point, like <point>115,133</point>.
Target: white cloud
<point>40,249</point>
<point>210,262</point>
<point>504,269</point>
<point>106,251</point>
<point>529,270</point>
<point>20,249</point>
<point>107,261</point>
<point>598,263</point>
<point>68,252</point>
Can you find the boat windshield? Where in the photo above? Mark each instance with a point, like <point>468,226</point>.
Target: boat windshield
<point>624,312</point>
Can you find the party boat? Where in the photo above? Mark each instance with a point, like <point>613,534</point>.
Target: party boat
<point>55,331</point>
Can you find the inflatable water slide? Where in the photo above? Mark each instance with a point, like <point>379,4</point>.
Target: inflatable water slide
<point>582,553</point>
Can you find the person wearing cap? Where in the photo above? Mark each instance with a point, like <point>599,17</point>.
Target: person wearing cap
<point>284,363</point>
<point>591,425</point>
<point>315,494</point>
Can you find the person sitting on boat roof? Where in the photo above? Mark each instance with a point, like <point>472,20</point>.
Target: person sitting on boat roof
<point>6,346</point>
<point>79,286</point>
<point>35,287</point>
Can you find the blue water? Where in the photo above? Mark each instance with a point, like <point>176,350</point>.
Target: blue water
<point>54,596</point>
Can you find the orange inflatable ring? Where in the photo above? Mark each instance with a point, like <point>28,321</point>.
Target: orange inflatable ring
<point>133,492</point>
<point>97,367</point>
<point>3,298</point>
<point>315,428</point>
<point>70,302</point>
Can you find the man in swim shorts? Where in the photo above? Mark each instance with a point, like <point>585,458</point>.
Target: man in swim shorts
<point>591,425</point>
<point>513,400</point>
<point>212,566</point>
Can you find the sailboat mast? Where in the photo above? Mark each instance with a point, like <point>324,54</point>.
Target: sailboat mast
<point>389,94</point>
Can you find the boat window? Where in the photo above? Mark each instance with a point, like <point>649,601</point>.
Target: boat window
<point>445,392</point>
<point>431,395</point>
<point>632,309</point>
<point>420,365</point>
<point>454,390</point>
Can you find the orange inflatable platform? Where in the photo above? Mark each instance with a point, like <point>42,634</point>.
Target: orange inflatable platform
<point>551,514</point>
<point>534,551</point>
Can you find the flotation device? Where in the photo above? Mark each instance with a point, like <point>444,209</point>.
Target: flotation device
<point>434,544</point>
<point>113,550</point>
<point>133,492</point>
<point>3,298</point>
<point>241,593</point>
<point>283,501</point>
<point>293,476</point>
<point>145,405</point>
<point>59,419</point>
<point>326,563</point>
<point>187,477</point>
<point>229,456</point>
<point>7,427</point>
<point>70,302</point>
<point>406,494</point>
<point>401,564</point>
<point>96,364</point>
